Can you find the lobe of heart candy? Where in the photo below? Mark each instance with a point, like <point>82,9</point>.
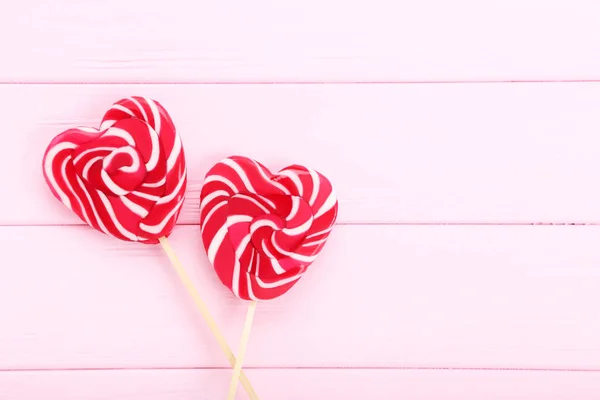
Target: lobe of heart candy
<point>261,231</point>
<point>126,179</point>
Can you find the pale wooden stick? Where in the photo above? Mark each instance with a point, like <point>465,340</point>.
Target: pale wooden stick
<point>204,312</point>
<point>242,351</point>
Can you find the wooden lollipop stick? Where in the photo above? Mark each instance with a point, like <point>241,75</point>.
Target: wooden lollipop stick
<point>242,351</point>
<point>206,315</point>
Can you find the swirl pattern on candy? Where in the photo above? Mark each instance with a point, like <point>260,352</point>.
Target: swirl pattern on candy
<point>261,231</point>
<point>126,179</point>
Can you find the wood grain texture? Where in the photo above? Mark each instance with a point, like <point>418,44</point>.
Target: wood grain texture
<point>314,40</point>
<point>397,296</point>
<point>434,285</point>
<point>304,384</point>
<point>453,153</point>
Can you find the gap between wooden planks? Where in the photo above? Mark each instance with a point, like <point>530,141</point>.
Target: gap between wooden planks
<point>304,384</point>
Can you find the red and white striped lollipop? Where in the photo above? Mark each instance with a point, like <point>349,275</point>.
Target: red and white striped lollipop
<point>126,179</point>
<point>261,231</point>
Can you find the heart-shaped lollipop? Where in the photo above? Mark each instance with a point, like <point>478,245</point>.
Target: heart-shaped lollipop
<point>261,231</point>
<point>126,179</point>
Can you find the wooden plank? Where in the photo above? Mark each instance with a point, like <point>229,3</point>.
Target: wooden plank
<point>456,153</point>
<point>293,384</point>
<point>308,40</point>
<point>379,296</point>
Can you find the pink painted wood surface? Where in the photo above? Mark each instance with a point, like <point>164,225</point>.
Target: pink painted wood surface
<point>304,384</point>
<point>435,153</point>
<point>426,289</point>
<point>300,40</point>
<point>379,296</point>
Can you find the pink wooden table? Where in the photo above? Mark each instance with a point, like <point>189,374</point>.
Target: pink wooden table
<point>463,138</point>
